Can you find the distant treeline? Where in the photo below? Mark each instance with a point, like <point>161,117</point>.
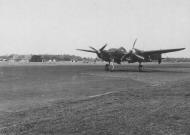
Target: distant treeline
<point>46,57</point>
<point>67,57</point>
<point>176,60</point>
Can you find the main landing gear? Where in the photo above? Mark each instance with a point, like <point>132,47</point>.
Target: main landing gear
<point>140,67</point>
<point>109,67</point>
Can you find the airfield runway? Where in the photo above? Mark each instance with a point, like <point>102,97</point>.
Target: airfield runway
<point>86,100</point>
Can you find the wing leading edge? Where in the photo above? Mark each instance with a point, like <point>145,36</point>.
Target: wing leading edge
<point>162,51</point>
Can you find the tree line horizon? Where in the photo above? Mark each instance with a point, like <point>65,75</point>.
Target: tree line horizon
<point>68,57</point>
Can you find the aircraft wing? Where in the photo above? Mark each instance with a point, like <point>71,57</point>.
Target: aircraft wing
<point>86,50</point>
<point>162,51</point>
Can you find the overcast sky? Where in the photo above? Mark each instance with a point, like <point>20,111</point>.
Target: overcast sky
<point>61,26</point>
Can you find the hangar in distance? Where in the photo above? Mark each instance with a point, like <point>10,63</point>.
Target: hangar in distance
<point>119,55</point>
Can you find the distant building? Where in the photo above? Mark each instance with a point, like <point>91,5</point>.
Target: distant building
<point>36,58</point>
<point>19,58</point>
<point>15,58</point>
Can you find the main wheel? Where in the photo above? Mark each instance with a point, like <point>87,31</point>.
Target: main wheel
<point>107,67</point>
<point>140,68</point>
<point>111,68</point>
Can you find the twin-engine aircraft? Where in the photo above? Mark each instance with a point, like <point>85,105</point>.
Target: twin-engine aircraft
<point>118,55</point>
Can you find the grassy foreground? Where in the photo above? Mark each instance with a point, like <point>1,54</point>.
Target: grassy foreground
<point>155,102</point>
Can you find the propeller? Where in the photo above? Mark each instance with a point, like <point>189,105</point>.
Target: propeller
<point>134,43</point>
<point>93,50</point>
<point>100,50</point>
<point>132,53</point>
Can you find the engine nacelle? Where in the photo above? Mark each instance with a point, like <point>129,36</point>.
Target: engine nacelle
<point>156,57</point>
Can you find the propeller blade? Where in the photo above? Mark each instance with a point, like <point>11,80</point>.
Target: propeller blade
<point>86,50</point>
<point>103,47</point>
<point>139,57</point>
<point>134,43</point>
<point>93,48</point>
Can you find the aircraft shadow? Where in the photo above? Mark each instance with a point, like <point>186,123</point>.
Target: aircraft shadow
<point>148,71</point>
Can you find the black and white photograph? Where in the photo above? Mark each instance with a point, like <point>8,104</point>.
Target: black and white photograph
<point>94,67</point>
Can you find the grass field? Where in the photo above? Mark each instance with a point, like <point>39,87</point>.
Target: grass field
<point>84,99</point>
